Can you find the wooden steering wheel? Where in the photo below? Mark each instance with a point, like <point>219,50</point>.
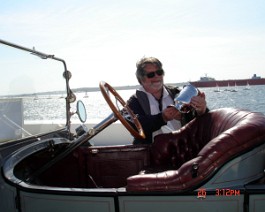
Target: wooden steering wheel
<point>139,133</point>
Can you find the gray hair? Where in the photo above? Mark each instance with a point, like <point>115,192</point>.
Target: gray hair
<point>140,65</point>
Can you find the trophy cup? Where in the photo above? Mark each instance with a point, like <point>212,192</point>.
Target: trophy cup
<point>182,100</point>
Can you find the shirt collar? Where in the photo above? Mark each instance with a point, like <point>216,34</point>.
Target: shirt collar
<point>165,92</point>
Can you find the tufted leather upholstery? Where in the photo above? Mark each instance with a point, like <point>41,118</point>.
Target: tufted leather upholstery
<point>198,149</point>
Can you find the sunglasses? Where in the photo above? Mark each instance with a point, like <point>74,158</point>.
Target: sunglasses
<point>152,74</point>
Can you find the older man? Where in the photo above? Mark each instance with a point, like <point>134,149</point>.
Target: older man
<point>152,102</point>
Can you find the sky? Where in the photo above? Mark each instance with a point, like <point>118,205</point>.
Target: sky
<point>101,40</point>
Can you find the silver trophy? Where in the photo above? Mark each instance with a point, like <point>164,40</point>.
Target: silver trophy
<point>182,100</point>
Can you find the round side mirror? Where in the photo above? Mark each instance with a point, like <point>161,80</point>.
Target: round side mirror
<point>81,111</point>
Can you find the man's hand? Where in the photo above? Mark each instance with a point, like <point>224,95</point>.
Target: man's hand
<point>199,103</point>
<point>171,113</point>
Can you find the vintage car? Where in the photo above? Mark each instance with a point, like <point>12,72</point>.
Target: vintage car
<point>48,163</point>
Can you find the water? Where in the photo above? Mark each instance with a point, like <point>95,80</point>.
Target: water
<point>252,99</point>
<point>97,108</point>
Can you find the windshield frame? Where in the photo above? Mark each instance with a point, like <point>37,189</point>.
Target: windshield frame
<point>70,97</point>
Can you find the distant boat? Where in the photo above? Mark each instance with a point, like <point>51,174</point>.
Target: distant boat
<point>86,95</point>
<point>211,82</point>
<point>234,89</point>
<point>36,97</point>
<point>247,87</point>
<point>217,88</point>
<point>228,87</point>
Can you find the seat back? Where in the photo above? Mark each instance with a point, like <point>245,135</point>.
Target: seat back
<point>226,129</point>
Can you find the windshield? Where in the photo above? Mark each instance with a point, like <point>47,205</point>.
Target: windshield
<point>32,94</point>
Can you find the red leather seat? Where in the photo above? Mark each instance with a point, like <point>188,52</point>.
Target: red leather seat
<point>199,149</point>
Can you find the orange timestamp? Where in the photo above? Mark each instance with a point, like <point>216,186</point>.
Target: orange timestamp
<point>201,194</point>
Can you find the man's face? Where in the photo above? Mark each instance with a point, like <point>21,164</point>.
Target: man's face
<point>155,83</point>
